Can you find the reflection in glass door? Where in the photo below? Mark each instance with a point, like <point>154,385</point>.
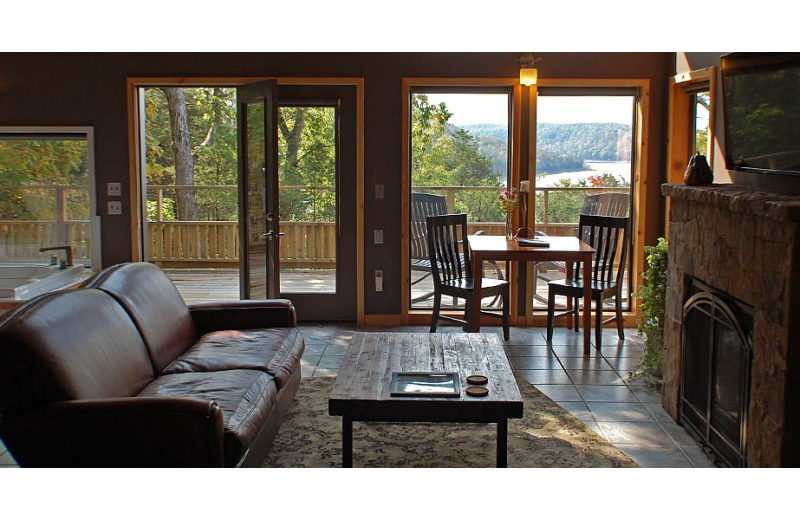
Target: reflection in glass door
<point>260,233</point>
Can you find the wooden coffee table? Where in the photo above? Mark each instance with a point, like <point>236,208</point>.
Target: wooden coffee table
<point>362,390</point>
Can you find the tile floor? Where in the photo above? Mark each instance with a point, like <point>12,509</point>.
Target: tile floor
<point>595,389</point>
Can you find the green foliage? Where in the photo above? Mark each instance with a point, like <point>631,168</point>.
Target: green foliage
<point>211,114</point>
<point>565,206</point>
<point>311,164</point>
<point>449,156</point>
<point>43,162</point>
<point>652,301</point>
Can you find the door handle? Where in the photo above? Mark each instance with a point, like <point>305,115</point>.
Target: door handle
<point>270,234</point>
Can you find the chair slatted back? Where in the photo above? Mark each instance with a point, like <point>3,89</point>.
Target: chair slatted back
<point>606,204</point>
<point>423,205</point>
<point>609,237</point>
<point>447,237</point>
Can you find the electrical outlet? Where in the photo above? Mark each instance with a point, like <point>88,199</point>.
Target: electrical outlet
<point>378,280</point>
<point>115,189</point>
<point>379,236</point>
<point>379,191</point>
<point>115,207</point>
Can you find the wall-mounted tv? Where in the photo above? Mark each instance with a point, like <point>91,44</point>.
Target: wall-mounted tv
<point>762,119</point>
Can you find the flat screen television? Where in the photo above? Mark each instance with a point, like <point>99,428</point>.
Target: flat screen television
<point>761,93</point>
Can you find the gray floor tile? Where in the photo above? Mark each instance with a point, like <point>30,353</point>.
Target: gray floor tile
<point>595,377</point>
<point>625,351</point>
<point>578,409</point>
<point>593,425</point>
<point>308,364</point>
<point>646,395</point>
<point>534,363</point>
<point>323,372</point>
<point>610,394</point>
<point>545,377</point>
<point>333,349</point>
<point>679,435</point>
<point>657,411</point>
<point>574,351</point>
<point>699,458</point>
<point>580,363</point>
<point>314,349</point>
<point>623,364</point>
<point>655,457</point>
<point>639,433</point>
<point>529,350</point>
<point>7,460</point>
<point>560,392</point>
<point>526,337</point>
<point>616,412</point>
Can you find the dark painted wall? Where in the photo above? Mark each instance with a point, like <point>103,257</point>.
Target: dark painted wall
<point>89,89</point>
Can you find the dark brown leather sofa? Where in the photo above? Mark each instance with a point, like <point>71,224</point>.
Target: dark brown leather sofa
<point>122,373</point>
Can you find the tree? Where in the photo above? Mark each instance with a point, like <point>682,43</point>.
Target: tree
<point>182,152</point>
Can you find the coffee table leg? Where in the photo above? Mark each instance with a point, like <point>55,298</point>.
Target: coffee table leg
<point>502,443</point>
<point>347,442</point>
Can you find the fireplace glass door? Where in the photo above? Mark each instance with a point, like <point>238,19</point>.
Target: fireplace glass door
<point>715,376</point>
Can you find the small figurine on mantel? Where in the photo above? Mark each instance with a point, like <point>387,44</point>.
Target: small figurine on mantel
<point>697,172</point>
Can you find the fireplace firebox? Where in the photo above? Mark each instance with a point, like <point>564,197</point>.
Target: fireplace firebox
<point>715,376</point>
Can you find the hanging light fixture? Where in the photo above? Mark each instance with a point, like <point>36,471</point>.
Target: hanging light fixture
<point>528,75</point>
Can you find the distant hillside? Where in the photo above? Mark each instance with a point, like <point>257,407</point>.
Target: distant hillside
<point>586,141</point>
<point>560,147</point>
<point>492,142</point>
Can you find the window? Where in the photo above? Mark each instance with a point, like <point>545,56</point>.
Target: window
<point>700,104</point>
<point>584,164</point>
<point>459,164</point>
<point>47,195</point>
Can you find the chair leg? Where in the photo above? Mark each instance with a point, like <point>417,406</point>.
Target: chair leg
<point>506,314</point>
<point>551,309</point>
<point>598,324</point>
<point>620,328</point>
<point>437,305</point>
<point>467,315</point>
<point>577,313</point>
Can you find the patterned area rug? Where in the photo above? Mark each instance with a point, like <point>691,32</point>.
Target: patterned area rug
<point>546,437</point>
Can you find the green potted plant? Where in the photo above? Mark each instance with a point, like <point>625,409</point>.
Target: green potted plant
<point>652,305</point>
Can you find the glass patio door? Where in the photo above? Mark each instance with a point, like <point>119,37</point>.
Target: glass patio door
<point>258,190</point>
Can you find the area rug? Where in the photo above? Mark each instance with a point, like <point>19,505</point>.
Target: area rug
<point>546,437</point>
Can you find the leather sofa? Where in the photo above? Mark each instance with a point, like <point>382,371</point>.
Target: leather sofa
<point>122,373</point>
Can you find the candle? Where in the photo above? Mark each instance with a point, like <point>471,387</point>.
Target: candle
<point>524,186</point>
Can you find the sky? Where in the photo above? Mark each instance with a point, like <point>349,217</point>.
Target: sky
<point>471,109</point>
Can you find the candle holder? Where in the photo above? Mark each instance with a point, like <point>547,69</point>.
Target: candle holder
<point>524,190</point>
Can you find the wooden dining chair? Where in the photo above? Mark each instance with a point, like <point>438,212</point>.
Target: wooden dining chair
<point>609,237</point>
<point>447,242</point>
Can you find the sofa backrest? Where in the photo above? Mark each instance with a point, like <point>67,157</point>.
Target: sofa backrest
<point>77,344</point>
<point>156,307</point>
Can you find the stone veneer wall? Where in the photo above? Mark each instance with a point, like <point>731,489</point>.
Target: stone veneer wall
<point>743,242</point>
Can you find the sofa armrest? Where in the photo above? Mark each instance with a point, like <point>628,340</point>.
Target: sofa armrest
<point>125,432</point>
<point>242,315</point>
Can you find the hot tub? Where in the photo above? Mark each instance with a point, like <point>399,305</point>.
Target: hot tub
<point>26,281</point>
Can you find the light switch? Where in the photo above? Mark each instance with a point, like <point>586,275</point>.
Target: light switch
<point>378,280</point>
<point>115,189</point>
<point>379,191</point>
<point>379,236</point>
<point>115,207</point>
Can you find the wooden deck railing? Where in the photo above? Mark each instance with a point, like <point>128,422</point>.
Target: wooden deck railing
<point>21,239</point>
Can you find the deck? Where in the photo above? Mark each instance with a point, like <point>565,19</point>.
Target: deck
<point>198,285</point>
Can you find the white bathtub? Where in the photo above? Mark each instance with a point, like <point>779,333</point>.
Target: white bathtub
<point>26,281</point>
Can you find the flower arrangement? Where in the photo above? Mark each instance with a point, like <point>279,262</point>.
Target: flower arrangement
<point>508,202</point>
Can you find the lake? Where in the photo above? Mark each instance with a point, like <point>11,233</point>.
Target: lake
<point>620,170</point>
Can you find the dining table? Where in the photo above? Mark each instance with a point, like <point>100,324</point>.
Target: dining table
<point>566,249</point>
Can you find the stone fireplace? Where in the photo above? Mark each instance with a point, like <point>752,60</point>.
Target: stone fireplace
<point>746,244</point>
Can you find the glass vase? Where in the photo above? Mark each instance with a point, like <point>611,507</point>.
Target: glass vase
<point>509,229</point>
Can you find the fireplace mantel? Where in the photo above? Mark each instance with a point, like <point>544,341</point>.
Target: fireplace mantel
<point>745,243</point>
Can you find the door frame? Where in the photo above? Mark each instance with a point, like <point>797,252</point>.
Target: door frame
<point>135,128</point>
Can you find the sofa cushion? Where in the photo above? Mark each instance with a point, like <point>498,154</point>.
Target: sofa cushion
<point>155,305</point>
<point>274,351</point>
<point>246,397</point>
<point>77,344</point>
